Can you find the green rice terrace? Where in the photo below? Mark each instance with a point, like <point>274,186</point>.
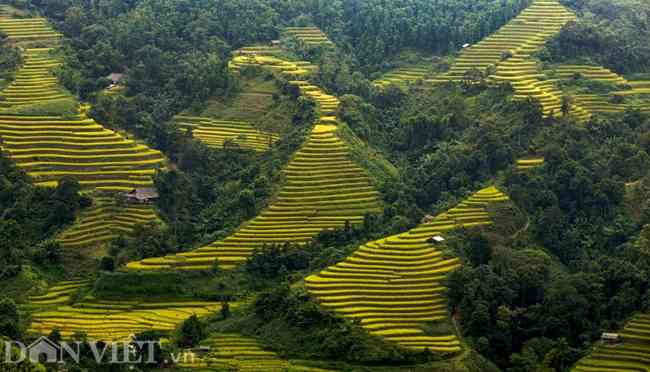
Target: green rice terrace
<point>323,189</point>
<point>394,285</point>
<point>310,36</point>
<point>223,133</point>
<point>287,69</point>
<point>291,186</point>
<point>25,29</point>
<point>107,219</point>
<point>599,89</point>
<point>117,320</point>
<point>403,76</point>
<point>529,163</point>
<point>631,353</point>
<point>34,83</point>
<point>50,147</point>
<point>233,352</point>
<point>58,294</point>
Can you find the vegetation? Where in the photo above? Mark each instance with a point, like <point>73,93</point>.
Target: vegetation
<point>303,189</point>
<point>609,33</point>
<point>31,214</point>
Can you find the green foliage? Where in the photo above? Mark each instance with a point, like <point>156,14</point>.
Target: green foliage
<point>9,319</point>
<point>609,33</point>
<point>370,159</point>
<point>139,285</point>
<point>30,215</point>
<point>10,58</point>
<point>191,332</point>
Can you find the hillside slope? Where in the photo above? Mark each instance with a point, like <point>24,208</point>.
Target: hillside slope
<point>394,286</point>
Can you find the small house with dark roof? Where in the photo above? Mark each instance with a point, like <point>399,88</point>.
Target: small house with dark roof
<point>143,195</point>
<point>610,338</point>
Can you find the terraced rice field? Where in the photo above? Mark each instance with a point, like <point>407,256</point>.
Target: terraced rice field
<point>519,39</point>
<point>393,286</point>
<point>51,147</point>
<point>297,73</point>
<point>323,190</point>
<point>327,104</point>
<point>597,73</point>
<point>528,81</point>
<point>105,221</point>
<point>633,354</point>
<point>603,103</point>
<point>638,87</point>
<point>403,76</point>
<point>310,36</point>
<point>215,133</point>
<point>258,50</point>
<point>287,69</point>
<point>58,294</point>
<point>117,320</point>
<point>529,163</point>
<point>25,29</point>
<point>34,82</point>
<point>233,352</point>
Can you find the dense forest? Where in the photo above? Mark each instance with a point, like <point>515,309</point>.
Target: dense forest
<point>566,260</point>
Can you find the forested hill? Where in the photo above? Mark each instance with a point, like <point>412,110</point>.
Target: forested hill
<point>345,185</point>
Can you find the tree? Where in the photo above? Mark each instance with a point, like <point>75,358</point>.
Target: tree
<point>9,319</point>
<point>477,249</point>
<point>107,264</point>
<point>191,332</point>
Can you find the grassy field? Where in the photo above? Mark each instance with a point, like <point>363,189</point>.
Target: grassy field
<point>395,286</point>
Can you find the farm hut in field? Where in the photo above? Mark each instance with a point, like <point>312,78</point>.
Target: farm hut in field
<point>428,218</point>
<point>275,43</point>
<point>610,338</point>
<point>466,45</point>
<point>436,239</point>
<point>143,195</point>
